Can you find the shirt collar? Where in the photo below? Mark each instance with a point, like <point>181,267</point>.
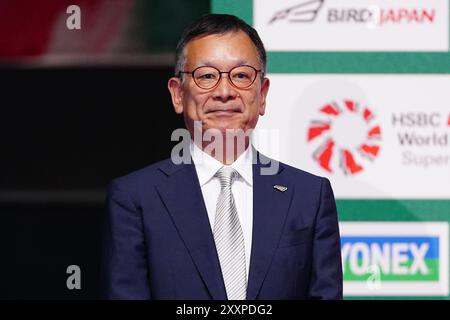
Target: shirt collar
<point>207,166</point>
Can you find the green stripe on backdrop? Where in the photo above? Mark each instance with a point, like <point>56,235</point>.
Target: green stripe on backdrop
<point>393,210</point>
<point>241,8</point>
<point>340,62</point>
<point>358,62</point>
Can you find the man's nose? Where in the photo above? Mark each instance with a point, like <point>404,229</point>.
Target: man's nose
<point>224,90</point>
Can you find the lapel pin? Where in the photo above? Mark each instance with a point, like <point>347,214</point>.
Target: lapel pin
<point>280,188</point>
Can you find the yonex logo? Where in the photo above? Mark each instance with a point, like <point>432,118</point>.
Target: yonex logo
<point>396,258</point>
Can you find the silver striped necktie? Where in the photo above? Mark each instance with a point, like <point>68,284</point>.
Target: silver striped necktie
<point>229,238</point>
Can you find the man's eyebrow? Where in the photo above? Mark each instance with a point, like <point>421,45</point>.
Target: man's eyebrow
<point>207,63</point>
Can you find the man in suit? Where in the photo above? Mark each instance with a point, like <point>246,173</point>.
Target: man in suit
<point>217,226</point>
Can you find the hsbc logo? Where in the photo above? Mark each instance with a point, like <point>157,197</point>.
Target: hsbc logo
<point>350,132</point>
<point>375,136</point>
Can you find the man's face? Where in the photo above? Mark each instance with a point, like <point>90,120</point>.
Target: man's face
<point>224,106</point>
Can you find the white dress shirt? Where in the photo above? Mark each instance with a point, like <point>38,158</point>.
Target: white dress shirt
<point>242,189</point>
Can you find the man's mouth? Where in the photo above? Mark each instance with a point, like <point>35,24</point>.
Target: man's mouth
<point>224,111</point>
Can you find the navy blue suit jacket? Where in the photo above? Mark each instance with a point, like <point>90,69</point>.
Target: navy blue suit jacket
<point>158,242</point>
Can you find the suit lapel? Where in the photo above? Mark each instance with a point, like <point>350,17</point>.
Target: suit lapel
<point>183,199</point>
<point>270,208</point>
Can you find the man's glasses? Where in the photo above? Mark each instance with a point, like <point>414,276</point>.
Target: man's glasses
<point>241,77</point>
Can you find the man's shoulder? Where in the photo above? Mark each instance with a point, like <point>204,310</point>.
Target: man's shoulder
<point>299,174</point>
<point>142,177</point>
<point>158,171</point>
<point>295,174</point>
<point>306,183</point>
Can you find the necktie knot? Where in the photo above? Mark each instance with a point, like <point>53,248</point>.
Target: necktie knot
<point>226,175</point>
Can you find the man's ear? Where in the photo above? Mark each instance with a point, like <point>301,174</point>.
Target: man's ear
<point>264,90</point>
<point>176,91</point>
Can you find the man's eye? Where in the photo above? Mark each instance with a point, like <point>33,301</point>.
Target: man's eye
<point>240,75</point>
<point>207,76</point>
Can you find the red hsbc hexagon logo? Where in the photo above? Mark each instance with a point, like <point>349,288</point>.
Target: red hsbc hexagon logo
<point>349,132</point>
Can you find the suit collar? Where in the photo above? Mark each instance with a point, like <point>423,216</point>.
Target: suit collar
<point>207,166</point>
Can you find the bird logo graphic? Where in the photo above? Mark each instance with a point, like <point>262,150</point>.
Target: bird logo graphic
<point>303,12</point>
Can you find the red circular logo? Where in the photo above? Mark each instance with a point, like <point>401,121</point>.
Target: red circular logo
<point>348,132</point>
